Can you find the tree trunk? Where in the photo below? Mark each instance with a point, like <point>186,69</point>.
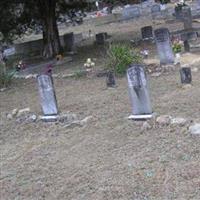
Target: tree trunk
<point>51,39</point>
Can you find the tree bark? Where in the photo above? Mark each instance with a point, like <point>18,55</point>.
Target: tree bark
<point>51,38</point>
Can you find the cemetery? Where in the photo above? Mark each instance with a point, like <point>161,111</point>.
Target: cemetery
<point>115,116</point>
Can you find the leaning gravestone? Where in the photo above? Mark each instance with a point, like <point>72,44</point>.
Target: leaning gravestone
<point>163,43</point>
<point>186,76</point>
<point>47,97</point>
<point>131,12</point>
<point>138,92</point>
<point>147,33</point>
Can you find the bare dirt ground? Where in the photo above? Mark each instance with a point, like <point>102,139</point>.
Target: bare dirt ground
<point>109,158</point>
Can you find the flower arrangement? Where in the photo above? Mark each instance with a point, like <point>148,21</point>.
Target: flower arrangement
<point>180,5</point>
<point>177,46</point>
<point>89,63</point>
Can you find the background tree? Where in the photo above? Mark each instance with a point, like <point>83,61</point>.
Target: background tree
<point>19,15</point>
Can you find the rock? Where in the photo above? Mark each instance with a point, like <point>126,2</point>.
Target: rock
<point>23,111</point>
<point>163,120</point>
<point>146,126</point>
<point>2,89</point>
<point>73,124</point>
<point>195,129</point>
<point>86,120</point>
<point>195,69</point>
<point>32,118</point>
<point>55,75</point>
<point>179,121</point>
<point>14,112</point>
<point>68,118</point>
<point>168,68</point>
<point>156,74</point>
<point>27,118</point>
<point>9,116</point>
<point>31,76</point>
<point>67,75</point>
<point>186,86</point>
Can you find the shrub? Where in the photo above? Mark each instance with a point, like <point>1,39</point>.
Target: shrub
<point>6,76</point>
<point>120,56</point>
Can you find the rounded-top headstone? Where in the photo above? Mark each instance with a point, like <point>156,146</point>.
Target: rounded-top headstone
<point>161,34</point>
<point>47,95</point>
<point>147,32</point>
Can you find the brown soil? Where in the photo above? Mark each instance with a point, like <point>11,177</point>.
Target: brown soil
<point>109,158</point>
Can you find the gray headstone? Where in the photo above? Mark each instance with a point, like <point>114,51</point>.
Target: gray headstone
<point>9,52</point>
<point>47,95</point>
<point>198,4</point>
<point>186,76</point>
<point>101,38</point>
<point>186,46</point>
<point>130,12</point>
<point>67,41</point>
<point>155,8</point>
<point>155,11</point>
<point>147,32</point>
<point>189,36</point>
<point>164,47</point>
<point>138,90</point>
<point>187,17</point>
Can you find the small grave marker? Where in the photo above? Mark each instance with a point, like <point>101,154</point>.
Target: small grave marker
<point>138,92</point>
<point>186,46</point>
<point>110,81</point>
<point>147,33</point>
<point>68,40</point>
<point>186,76</point>
<point>163,44</point>
<point>101,37</point>
<point>47,97</point>
<point>131,12</point>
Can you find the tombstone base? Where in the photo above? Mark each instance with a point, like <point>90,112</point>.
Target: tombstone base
<point>49,118</point>
<point>141,117</point>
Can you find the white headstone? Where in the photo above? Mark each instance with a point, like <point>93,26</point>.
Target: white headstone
<point>47,95</point>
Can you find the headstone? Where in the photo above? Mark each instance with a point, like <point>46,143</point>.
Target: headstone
<point>187,17</point>
<point>164,47</point>
<point>101,37</point>
<point>131,12</point>
<point>47,96</point>
<point>138,92</point>
<point>192,35</point>
<point>110,81</point>
<point>198,4</point>
<point>67,41</point>
<point>147,32</point>
<point>186,76</point>
<point>9,52</point>
<point>186,46</point>
<point>155,10</point>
